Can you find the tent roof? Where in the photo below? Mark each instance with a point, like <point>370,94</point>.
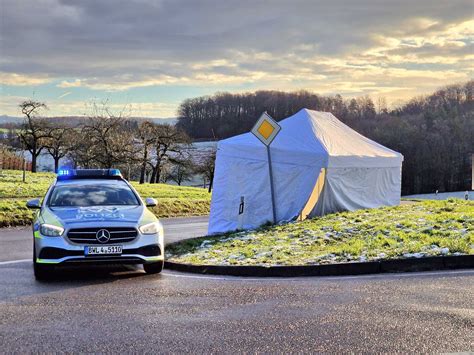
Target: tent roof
<point>309,135</point>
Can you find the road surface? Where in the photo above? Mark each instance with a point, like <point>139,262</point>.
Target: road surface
<point>121,309</point>
<point>443,195</point>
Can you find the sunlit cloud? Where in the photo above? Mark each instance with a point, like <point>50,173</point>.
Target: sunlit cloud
<point>58,107</point>
<point>15,79</point>
<point>69,84</point>
<point>397,49</point>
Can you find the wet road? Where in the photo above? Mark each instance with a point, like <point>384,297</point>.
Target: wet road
<point>122,310</point>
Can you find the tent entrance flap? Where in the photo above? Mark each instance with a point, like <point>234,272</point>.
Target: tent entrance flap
<point>314,197</point>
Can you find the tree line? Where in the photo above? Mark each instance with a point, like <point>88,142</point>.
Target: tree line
<point>143,150</point>
<point>435,133</point>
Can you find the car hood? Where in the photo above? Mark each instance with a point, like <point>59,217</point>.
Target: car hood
<point>114,214</point>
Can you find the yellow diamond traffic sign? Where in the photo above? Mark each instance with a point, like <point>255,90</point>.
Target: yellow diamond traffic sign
<point>266,129</point>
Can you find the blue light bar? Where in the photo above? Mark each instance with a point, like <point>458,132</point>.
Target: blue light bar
<point>67,173</point>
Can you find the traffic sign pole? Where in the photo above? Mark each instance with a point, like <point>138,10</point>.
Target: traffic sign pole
<point>266,129</point>
<point>272,190</point>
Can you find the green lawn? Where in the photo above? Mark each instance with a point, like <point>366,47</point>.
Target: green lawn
<point>173,201</point>
<point>12,185</point>
<point>414,230</point>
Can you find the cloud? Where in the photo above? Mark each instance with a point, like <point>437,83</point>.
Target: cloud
<point>119,82</point>
<point>16,79</point>
<point>353,47</point>
<point>69,84</point>
<point>57,107</point>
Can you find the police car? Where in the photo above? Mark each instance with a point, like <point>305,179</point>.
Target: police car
<point>94,216</point>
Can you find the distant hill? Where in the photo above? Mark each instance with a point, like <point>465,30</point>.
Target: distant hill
<point>73,120</point>
<point>9,119</point>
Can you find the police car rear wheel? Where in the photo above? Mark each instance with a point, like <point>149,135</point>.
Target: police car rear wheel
<point>154,268</point>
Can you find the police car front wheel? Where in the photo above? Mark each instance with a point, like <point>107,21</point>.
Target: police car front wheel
<point>153,268</point>
<point>42,272</point>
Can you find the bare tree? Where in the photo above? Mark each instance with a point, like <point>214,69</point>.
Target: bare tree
<point>382,105</point>
<point>166,170</point>
<point>170,144</point>
<point>182,170</point>
<point>147,138</point>
<point>80,151</point>
<point>108,139</point>
<point>58,143</point>
<point>206,167</point>
<point>34,130</point>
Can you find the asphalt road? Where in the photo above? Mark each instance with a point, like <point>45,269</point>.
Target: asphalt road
<point>122,309</point>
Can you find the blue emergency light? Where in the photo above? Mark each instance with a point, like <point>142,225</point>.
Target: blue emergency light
<point>115,172</point>
<point>68,173</point>
<point>64,172</point>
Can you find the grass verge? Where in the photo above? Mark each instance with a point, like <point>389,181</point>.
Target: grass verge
<point>13,212</point>
<point>421,229</point>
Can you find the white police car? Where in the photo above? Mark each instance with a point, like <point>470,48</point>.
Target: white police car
<point>94,216</point>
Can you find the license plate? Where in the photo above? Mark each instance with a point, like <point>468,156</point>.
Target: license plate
<point>103,250</point>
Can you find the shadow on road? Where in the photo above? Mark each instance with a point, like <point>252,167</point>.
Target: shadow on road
<point>18,279</point>
<point>93,274</point>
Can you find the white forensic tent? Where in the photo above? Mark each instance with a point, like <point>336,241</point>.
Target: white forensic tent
<point>320,166</point>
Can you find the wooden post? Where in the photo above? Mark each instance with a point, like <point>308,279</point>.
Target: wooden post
<point>24,169</point>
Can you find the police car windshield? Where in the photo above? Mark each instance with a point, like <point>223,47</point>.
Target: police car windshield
<point>98,194</point>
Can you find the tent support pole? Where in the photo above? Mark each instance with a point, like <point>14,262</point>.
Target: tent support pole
<point>272,190</point>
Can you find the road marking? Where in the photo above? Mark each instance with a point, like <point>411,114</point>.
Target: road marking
<point>300,278</point>
<point>14,261</point>
<point>329,278</point>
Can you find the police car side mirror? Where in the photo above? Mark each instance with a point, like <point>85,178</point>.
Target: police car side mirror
<point>150,202</point>
<point>34,204</point>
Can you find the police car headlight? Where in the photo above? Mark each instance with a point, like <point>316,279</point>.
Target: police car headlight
<point>151,228</point>
<point>51,231</point>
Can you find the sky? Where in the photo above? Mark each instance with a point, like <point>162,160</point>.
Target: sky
<point>149,55</point>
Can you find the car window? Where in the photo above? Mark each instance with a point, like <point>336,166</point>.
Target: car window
<point>92,195</point>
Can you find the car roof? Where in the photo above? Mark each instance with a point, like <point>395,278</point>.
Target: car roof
<point>91,182</point>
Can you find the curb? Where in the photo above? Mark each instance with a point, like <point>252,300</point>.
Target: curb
<point>358,268</point>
